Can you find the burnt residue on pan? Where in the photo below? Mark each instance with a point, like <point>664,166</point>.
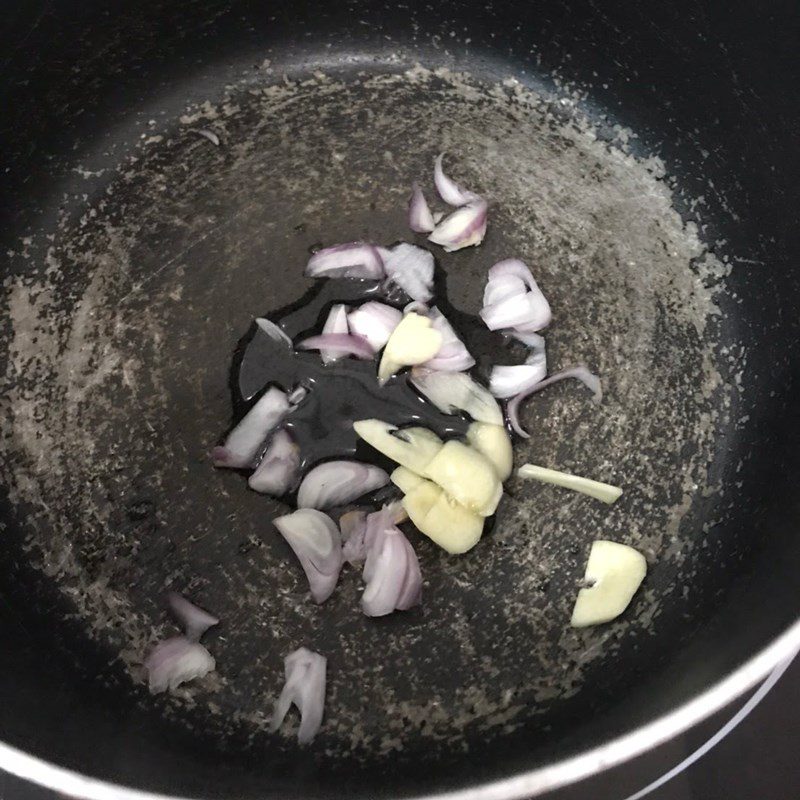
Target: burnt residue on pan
<point>121,327</point>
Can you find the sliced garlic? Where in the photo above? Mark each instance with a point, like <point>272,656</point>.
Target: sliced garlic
<point>419,501</point>
<point>467,476</point>
<point>600,491</point>
<point>412,448</point>
<point>616,572</point>
<point>406,480</point>
<point>494,443</point>
<point>442,519</point>
<point>412,342</point>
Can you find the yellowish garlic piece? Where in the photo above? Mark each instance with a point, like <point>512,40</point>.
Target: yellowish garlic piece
<point>442,519</point>
<point>406,480</point>
<point>600,491</point>
<point>420,500</point>
<point>467,476</point>
<point>412,448</point>
<point>615,571</point>
<point>412,342</point>
<point>494,443</point>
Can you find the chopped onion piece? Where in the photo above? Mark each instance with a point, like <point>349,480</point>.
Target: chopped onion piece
<point>448,189</point>
<point>532,340</point>
<point>176,661</point>
<point>364,541</point>
<point>581,373</point>
<point>512,298</point>
<point>601,491</point>
<point>451,392</point>
<point>353,528</point>
<point>502,288</point>
<point>195,620</point>
<point>341,344</point>
<point>277,470</point>
<point>453,355</point>
<point>375,322</point>
<point>305,673</point>
<point>529,310</point>
<point>411,268</point>
<point>463,228</point>
<point>317,544</point>
<point>508,381</point>
<point>336,483</point>
<point>352,260</point>
<point>615,571</point>
<point>336,323</point>
<point>395,580</point>
<point>245,440</point>
<point>420,219</point>
<point>273,331</point>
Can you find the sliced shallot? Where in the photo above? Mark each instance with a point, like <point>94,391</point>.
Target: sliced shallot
<point>339,344</point>
<point>411,268</point>
<point>305,687</point>
<point>175,661</point>
<point>245,440</point>
<point>277,470</point>
<point>463,228</point>
<point>335,323</point>
<point>392,574</point>
<point>420,219</point>
<point>506,381</point>
<point>512,298</point>
<point>453,355</point>
<point>194,619</point>
<point>336,483</point>
<point>581,373</point>
<point>317,544</point>
<point>375,322</point>
<point>448,189</point>
<point>352,260</point>
<point>353,527</point>
<point>452,392</point>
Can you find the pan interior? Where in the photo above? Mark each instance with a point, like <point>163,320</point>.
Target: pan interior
<point>119,346</point>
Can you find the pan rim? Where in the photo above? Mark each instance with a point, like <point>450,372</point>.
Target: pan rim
<point>528,784</point>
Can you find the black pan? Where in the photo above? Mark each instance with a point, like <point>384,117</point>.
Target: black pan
<point>641,158</point>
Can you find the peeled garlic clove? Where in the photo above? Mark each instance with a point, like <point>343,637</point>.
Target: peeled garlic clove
<point>420,500</point>
<point>442,519</point>
<point>405,480</point>
<point>467,476</point>
<point>412,342</point>
<point>493,442</point>
<point>616,572</point>
<point>413,448</point>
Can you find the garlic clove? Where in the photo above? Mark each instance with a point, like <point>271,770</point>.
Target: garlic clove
<point>493,442</point>
<point>413,448</point>
<point>616,571</point>
<point>405,480</point>
<point>420,500</point>
<point>412,342</point>
<point>467,476</point>
<point>442,519</point>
